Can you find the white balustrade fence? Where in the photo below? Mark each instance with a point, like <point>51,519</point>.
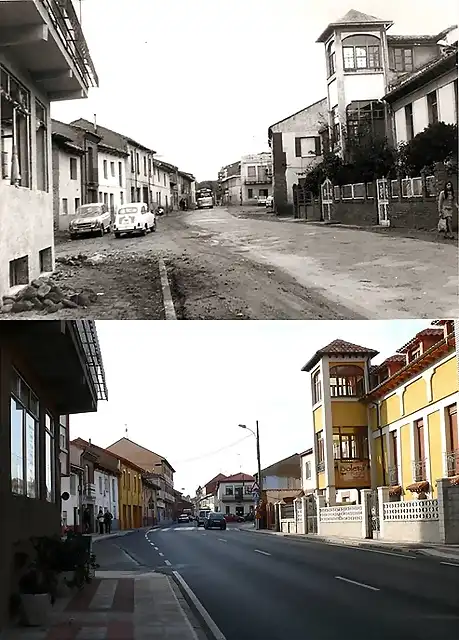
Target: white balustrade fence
<point>346,513</point>
<point>411,510</point>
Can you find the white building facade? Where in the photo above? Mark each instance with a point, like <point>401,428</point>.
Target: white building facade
<point>256,177</point>
<point>107,494</point>
<point>234,495</point>
<point>139,173</point>
<point>37,66</point>
<point>112,177</point>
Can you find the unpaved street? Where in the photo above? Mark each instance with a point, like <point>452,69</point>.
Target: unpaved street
<point>225,266</point>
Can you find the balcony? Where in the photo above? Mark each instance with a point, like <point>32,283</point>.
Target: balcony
<point>419,470</point>
<point>392,473</point>
<point>238,497</point>
<point>89,492</point>
<point>452,463</point>
<point>45,37</point>
<point>352,474</point>
<point>259,180</point>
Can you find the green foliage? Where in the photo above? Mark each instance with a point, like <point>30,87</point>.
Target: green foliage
<point>437,143</point>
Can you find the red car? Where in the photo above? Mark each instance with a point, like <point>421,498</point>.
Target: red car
<point>231,517</point>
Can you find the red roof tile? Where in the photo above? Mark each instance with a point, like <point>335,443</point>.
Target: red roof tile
<point>238,477</point>
<point>431,331</point>
<point>339,347</point>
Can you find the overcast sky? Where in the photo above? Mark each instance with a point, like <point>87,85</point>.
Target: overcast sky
<point>182,388</point>
<point>200,81</point>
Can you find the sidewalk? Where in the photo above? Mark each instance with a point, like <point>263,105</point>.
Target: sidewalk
<point>119,605</point>
<point>446,552</point>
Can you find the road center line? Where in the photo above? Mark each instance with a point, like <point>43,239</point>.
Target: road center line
<point>450,564</point>
<point>265,553</point>
<point>161,554</point>
<point>386,553</point>
<point>222,540</point>
<point>359,584</point>
<point>167,562</point>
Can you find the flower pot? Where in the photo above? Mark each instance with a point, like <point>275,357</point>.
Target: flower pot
<point>36,609</point>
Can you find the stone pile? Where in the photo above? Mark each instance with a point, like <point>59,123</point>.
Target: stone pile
<point>47,296</point>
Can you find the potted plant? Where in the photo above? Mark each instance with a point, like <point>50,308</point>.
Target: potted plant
<point>35,598</point>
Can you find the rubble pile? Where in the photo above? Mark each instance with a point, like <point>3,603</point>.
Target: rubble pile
<point>48,296</point>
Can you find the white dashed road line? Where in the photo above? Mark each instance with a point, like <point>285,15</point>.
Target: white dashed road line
<point>161,554</point>
<point>359,584</point>
<point>167,562</point>
<point>222,540</point>
<point>450,564</point>
<point>265,553</point>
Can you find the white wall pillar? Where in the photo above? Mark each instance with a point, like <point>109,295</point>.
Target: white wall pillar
<point>320,502</point>
<point>328,432</point>
<point>303,503</point>
<point>383,496</point>
<point>366,529</point>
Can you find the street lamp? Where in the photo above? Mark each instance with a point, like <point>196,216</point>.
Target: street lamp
<point>257,437</point>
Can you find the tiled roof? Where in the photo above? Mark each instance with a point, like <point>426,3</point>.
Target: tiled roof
<point>238,477</point>
<point>110,137</point>
<point>339,347</point>
<point>431,331</point>
<point>352,17</point>
<point>217,478</point>
<point>324,100</point>
<point>397,357</point>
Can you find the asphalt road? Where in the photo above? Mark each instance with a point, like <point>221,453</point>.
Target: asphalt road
<point>262,587</point>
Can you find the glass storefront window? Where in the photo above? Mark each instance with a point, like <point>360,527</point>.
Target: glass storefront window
<point>50,458</point>
<point>31,434</point>
<point>17,448</point>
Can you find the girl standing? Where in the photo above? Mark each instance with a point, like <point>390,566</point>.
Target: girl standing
<point>446,202</point>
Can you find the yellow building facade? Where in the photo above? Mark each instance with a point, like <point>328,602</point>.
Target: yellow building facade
<point>130,495</point>
<point>392,425</point>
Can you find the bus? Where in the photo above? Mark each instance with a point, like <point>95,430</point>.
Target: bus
<point>204,199</point>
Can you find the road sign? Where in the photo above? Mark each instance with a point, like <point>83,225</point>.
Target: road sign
<point>255,488</point>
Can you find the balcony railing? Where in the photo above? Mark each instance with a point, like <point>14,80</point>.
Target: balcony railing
<point>452,463</point>
<point>393,475</point>
<point>89,491</point>
<point>65,21</point>
<point>419,470</point>
<point>259,180</point>
<point>239,497</point>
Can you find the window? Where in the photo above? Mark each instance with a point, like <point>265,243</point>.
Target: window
<point>50,458</point>
<point>65,206</point>
<point>307,470</point>
<point>137,162</point>
<point>144,165</point>
<point>350,446</point>
<point>120,173</point>
<point>456,105</point>
<point>14,130</point>
<point>135,484</point>
<point>361,52</point>
<point>113,488</point>
<point>77,204</point>
<point>105,169</point>
<point>100,484</point>
<point>164,179</point>
<point>227,510</point>
<point>452,440</point>
<point>307,147</point>
<point>402,59</point>
<point>250,193</point>
<point>228,491</point>
<point>73,484</point>
<point>129,479</point>
<point>45,259</point>
<point>112,202</point>
<point>331,59</point>
<point>73,169</point>
<point>121,198</point>
<point>415,353</point>
<point>41,140</point>
<point>251,172</point>
<point>346,381</point>
<point>409,122</point>
<point>320,451</point>
<point>365,116</point>
<point>132,162</point>
<point>106,198</point>
<point>112,169</point>
<point>432,107</point>
<point>316,387</point>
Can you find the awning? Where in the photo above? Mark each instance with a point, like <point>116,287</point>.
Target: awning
<point>419,487</point>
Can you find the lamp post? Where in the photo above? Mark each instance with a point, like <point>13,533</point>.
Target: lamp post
<point>260,482</point>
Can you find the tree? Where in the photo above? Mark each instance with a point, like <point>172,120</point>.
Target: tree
<point>437,143</point>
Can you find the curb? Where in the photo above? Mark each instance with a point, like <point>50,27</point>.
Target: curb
<point>169,308</point>
<point>210,628</point>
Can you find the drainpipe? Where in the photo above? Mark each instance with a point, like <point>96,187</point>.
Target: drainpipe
<point>378,414</point>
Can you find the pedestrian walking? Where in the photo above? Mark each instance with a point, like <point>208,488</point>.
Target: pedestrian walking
<point>108,521</point>
<point>101,521</point>
<point>86,520</point>
<point>446,204</point>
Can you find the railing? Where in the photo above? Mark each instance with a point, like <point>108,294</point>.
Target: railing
<point>237,497</point>
<point>67,25</point>
<point>347,513</point>
<point>89,490</point>
<point>452,463</point>
<point>419,470</point>
<point>411,510</point>
<point>393,475</point>
<point>259,180</point>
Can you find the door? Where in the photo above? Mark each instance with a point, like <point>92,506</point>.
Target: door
<point>373,513</point>
<point>311,514</point>
<point>453,455</point>
<point>327,200</point>
<point>382,191</point>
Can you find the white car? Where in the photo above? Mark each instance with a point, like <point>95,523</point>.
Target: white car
<point>269,202</point>
<point>184,518</point>
<point>261,201</point>
<point>90,218</point>
<point>134,217</point>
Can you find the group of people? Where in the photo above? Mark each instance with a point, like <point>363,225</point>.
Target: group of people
<point>104,521</point>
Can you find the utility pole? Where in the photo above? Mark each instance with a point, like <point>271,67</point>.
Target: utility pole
<point>260,483</point>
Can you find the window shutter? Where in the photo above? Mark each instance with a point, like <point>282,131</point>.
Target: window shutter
<point>318,146</point>
<point>298,147</point>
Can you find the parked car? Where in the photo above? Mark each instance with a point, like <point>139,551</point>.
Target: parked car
<point>202,515</point>
<point>184,518</point>
<point>134,217</point>
<point>231,517</point>
<point>261,201</point>
<point>90,218</point>
<point>249,517</point>
<point>215,521</point>
<point>269,202</point>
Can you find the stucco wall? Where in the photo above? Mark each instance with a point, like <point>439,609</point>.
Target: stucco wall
<point>111,184</point>
<point>411,531</point>
<point>344,529</point>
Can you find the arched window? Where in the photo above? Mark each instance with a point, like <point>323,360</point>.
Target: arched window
<point>347,381</point>
<point>331,59</point>
<point>361,52</point>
